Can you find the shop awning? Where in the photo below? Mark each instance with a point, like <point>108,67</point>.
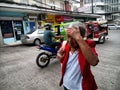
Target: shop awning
<point>38,10</point>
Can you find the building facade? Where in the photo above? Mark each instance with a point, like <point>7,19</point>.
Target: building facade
<point>17,17</point>
<point>105,7</point>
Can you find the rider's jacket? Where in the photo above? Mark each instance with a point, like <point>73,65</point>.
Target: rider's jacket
<point>88,81</point>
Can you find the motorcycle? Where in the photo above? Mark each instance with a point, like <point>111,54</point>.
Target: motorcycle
<point>43,59</point>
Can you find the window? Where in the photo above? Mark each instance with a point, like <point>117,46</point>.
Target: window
<point>7,29</point>
<point>39,3</point>
<point>24,1</point>
<point>62,6</point>
<point>51,2</point>
<point>102,8</point>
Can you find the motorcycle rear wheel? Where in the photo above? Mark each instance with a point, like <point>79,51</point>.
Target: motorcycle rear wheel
<point>43,60</point>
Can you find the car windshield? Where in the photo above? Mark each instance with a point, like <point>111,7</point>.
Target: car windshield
<point>30,32</point>
<point>41,30</point>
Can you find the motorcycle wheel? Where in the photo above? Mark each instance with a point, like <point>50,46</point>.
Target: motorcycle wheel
<point>42,60</point>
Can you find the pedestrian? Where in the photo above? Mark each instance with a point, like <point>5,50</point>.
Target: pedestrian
<point>48,37</point>
<point>76,57</point>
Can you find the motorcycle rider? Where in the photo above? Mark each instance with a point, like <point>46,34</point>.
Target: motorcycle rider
<point>48,36</point>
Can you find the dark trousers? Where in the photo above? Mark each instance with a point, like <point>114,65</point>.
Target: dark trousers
<point>55,45</point>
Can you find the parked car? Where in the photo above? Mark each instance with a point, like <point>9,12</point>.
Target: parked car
<point>113,27</point>
<point>118,27</point>
<point>33,37</point>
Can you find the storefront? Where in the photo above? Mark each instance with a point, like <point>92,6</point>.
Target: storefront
<point>11,26</point>
<point>32,21</point>
<point>50,18</point>
<point>11,30</point>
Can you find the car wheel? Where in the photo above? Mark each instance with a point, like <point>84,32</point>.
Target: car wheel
<point>37,42</point>
<point>102,40</point>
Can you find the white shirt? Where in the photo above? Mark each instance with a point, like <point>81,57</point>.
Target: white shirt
<point>72,79</point>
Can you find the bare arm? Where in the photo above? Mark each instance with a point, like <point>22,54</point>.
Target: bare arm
<point>87,52</point>
<point>59,36</point>
<point>60,54</point>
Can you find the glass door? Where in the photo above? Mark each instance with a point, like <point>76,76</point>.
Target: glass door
<point>18,28</point>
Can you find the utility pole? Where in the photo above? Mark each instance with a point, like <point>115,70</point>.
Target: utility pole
<point>81,3</point>
<point>92,6</point>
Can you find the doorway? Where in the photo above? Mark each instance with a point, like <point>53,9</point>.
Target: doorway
<point>18,29</point>
<point>32,25</point>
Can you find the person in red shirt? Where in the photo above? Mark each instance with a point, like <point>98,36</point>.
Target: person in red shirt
<point>76,56</point>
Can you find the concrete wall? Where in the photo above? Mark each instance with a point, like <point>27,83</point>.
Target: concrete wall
<point>1,39</point>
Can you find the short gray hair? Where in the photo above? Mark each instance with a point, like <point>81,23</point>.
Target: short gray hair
<point>79,25</point>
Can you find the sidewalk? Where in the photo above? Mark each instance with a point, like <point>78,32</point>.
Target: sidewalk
<point>17,43</point>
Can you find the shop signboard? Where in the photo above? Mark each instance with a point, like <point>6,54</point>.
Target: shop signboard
<point>61,18</point>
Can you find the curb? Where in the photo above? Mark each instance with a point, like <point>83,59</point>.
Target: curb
<point>12,45</point>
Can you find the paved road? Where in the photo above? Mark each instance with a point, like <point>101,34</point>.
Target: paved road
<point>107,73</point>
<point>18,70</point>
